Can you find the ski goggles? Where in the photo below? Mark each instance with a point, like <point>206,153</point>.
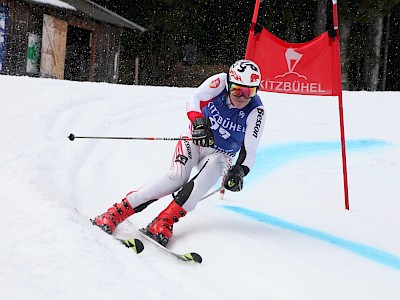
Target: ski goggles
<point>242,91</point>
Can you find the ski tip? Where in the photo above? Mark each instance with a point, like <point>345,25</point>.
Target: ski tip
<point>139,246</point>
<point>135,244</point>
<point>194,257</point>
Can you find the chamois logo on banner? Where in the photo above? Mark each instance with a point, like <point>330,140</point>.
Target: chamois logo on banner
<point>292,81</point>
<point>292,59</point>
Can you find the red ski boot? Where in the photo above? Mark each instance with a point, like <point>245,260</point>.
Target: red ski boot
<point>114,216</point>
<point>161,228</point>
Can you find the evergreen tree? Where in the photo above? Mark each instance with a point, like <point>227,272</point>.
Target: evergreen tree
<point>218,30</point>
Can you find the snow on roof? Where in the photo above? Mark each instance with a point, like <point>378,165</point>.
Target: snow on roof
<point>57,3</point>
<point>93,10</point>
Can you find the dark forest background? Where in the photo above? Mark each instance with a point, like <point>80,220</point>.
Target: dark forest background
<point>186,41</point>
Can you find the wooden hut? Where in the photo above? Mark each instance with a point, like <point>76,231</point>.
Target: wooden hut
<point>64,39</point>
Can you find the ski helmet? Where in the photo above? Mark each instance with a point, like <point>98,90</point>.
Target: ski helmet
<point>245,73</point>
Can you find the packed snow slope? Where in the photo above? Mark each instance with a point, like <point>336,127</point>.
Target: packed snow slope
<point>287,235</point>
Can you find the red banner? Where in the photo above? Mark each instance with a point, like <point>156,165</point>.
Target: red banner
<point>311,68</point>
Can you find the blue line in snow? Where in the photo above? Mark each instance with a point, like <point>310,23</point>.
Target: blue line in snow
<point>370,253</point>
<point>272,157</point>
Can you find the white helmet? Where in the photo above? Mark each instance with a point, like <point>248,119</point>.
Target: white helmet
<point>245,73</point>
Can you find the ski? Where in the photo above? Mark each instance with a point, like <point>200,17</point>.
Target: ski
<point>191,256</point>
<point>132,243</point>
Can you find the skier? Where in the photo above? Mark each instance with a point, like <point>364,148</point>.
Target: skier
<point>226,116</point>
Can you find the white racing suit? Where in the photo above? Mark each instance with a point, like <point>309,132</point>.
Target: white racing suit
<point>234,130</point>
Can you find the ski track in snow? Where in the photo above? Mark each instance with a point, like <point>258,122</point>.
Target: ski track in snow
<point>296,186</point>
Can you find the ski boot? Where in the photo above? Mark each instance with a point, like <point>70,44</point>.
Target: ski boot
<point>161,228</point>
<point>116,214</point>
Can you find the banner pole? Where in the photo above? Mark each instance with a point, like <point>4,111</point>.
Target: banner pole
<point>344,163</point>
<point>255,13</point>
<point>341,117</point>
<point>335,16</point>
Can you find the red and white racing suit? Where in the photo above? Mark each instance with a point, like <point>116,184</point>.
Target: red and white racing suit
<point>235,130</point>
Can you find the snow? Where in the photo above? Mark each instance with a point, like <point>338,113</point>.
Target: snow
<point>287,235</point>
<point>56,3</point>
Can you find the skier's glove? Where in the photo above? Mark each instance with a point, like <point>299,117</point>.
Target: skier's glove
<point>202,134</point>
<point>233,179</point>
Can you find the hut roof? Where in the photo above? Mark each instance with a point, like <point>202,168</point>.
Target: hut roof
<point>92,10</point>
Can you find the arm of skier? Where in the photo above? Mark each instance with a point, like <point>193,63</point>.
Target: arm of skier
<point>210,88</point>
<point>254,132</point>
<point>200,126</point>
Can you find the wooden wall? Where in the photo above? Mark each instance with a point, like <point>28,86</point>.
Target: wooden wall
<point>25,18</point>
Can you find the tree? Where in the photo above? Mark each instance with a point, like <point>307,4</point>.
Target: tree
<point>218,29</point>
<point>362,25</point>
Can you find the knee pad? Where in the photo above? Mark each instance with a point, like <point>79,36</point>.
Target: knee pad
<point>182,196</point>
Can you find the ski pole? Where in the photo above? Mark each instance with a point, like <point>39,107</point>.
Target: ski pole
<point>73,137</point>
<point>212,193</point>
